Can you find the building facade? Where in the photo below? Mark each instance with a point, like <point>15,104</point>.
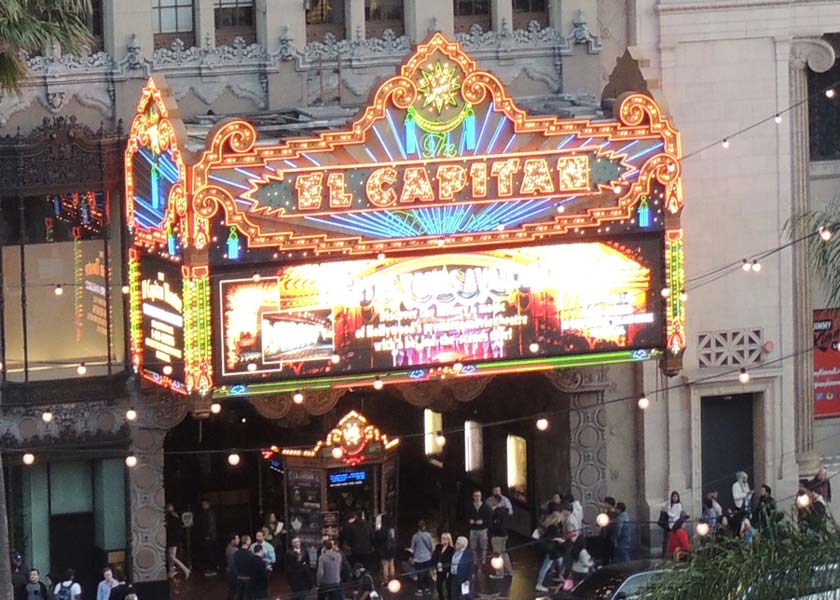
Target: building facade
<point>715,67</point>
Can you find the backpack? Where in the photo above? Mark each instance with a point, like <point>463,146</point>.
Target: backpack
<point>65,592</point>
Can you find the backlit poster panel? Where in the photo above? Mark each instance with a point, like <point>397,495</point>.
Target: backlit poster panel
<point>162,325</point>
<point>826,363</point>
<point>375,315</point>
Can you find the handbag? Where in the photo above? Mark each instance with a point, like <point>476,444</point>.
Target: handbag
<point>663,519</point>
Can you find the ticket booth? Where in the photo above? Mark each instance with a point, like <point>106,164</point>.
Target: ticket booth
<point>355,469</point>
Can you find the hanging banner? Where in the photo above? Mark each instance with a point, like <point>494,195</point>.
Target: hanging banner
<point>826,363</point>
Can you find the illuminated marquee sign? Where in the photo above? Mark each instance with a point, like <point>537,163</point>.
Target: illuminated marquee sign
<point>468,308</point>
<point>444,231</point>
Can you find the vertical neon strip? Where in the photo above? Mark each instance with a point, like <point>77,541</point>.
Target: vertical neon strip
<point>78,287</point>
<point>197,334</point>
<point>135,309</point>
<point>676,283</point>
<point>155,184</point>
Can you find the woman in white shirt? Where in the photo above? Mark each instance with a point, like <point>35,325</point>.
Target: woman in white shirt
<point>741,491</point>
<point>674,509</point>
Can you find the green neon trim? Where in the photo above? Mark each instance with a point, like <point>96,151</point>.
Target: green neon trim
<point>430,126</point>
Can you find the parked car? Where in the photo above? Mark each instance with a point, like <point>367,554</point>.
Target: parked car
<point>619,581</point>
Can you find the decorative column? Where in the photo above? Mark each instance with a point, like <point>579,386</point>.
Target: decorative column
<point>354,20</point>
<point>271,13</point>
<point>125,23</point>
<point>205,24</point>
<point>818,56</point>
<point>501,15</point>
<point>423,17</point>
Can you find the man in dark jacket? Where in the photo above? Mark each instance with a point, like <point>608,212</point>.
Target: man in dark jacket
<point>478,518</point>
<point>298,571</point>
<point>34,589</point>
<point>357,537</point>
<point>244,568</point>
<point>499,520</point>
<point>206,532</point>
<point>123,588</point>
<point>259,578</point>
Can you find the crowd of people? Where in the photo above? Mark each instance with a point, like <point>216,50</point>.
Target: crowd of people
<point>28,585</point>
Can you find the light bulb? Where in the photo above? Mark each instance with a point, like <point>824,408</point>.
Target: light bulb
<point>297,398</point>
<point>28,458</point>
<point>167,370</point>
<point>377,384</point>
<point>617,189</point>
<point>394,586</point>
<point>725,143</point>
<point>337,453</point>
<point>702,529</point>
<point>561,209</point>
<point>755,266</point>
<point>743,376</point>
<point>125,289</point>
<point>644,402</point>
<point>380,256</point>
<point>745,265</point>
<point>777,118</point>
<point>665,292</point>
<point>683,296</point>
<point>81,369</point>
<point>602,520</point>
<point>59,290</point>
<point>215,408</point>
<point>830,93</point>
<point>233,459</point>
<point>47,416</point>
<point>542,424</point>
<point>243,420</point>
<point>130,461</point>
<point>440,439</point>
<point>441,242</point>
<point>131,414</point>
<point>255,277</point>
<point>497,562</point>
<point>825,234</point>
<point>458,367</point>
<point>252,367</point>
<point>335,359</point>
<point>803,500</point>
<point>534,347</point>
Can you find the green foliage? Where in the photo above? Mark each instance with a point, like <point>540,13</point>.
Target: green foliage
<point>783,563</point>
<point>823,256</point>
<point>33,26</point>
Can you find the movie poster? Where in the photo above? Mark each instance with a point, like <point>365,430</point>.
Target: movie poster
<point>826,363</point>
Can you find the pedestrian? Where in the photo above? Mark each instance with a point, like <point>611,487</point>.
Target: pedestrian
<point>34,589</point>
<point>174,538</point>
<point>328,573</point>
<point>230,550</point>
<point>123,587</point>
<point>821,484</point>
<point>20,574</point>
<point>712,510</point>
<point>298,572</point>
<point>68,588</point>
<point>442,560</point>
<point>206,532</point>
<point>577,507</point>
<point>551,543</point>
<point>357,539</point>
<point>244,568</point>
<point>103,590</point>
<point>421,559</point>
<point>260,574</point>
<point>572,529</point>
<point>385,543</point>
<point>810,508</point>
<point>269,556</point>
<point>461,571</point>
<point>622,537</point>
<point>551,505</point>
<point>741,492</point>
<point>603,546</point>
<point>582,562</point>
<point>679,546</point>
<point>497,494</point>
<point>765,507</point>
<point>498,531</point>
<point>363,586</point>
<point>670,513</point>
<point>478,519</point>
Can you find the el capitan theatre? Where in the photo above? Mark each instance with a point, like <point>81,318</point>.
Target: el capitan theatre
<point>444,233</point>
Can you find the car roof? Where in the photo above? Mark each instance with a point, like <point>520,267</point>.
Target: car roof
<point>635,566</point>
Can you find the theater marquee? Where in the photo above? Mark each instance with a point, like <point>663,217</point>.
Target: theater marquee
<point>444,232</point>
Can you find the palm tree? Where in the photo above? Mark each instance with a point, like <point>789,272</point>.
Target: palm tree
<point>31,26</point>
<point>819,230</point>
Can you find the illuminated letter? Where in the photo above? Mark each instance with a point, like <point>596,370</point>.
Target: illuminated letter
<point>309,189</point>
<point>574,173</point>
<point>537,179</point>
<point>416,186</point>
<point>339,198</point>
<point>478,174</point>
<point>503,171</point>
<point>451,180</point>
<point>375,187</point>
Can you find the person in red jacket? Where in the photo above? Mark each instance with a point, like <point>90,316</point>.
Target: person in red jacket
<point>679,546</point>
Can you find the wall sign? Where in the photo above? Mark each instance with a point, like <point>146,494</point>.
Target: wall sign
<point>826,363</point>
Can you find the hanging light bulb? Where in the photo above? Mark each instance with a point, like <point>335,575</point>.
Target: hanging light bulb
<point>542,424</point>
<point>440,439</point>
<point>81,369</point>
<point>702,529</point>
<point>725,143</point>
<point>130,461</point>
<point>778,118</point>
<point>28,458</point>
<point>215,408</point>
<point>335,359</point>
<point>830,93</point>
<point>617,189</point>
<point>380,256</point>
<point>297,398</point>
<point>602,520</point>
<point>745,265</point>
<point>233,459</point>
<point>59,290</point>
<point>825,233</point>
<point>803,500</point>
<point>744,376</point>
<point>377,383</point>
<point>755,265</point>
<point>644,402</point>
<point>497,562</point>
<point>337,453</point>
<point>167,370</point>
<point>683,296</point>
<point>533,347</point>
<point>252,367</point>
<point>394,586</point>
<point>665,292</point>
<point>561,209</point>
<point>255,277</point>
<point>125,289</point>
<point>47,416</point>
<point>131,414</point>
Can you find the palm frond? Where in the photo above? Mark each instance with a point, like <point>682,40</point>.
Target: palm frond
<point>823,255</point>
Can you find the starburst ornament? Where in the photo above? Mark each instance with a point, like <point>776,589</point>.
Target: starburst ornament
<point>440,87</point>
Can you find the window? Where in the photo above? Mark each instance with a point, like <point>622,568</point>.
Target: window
<point>432,425</point>
<point>823,116</point>
<point>231,14</point>
<point>465,8</point>
<point>525,11</point>
<point>93,20</point>
<point>383,14</point>
<point>473,447</point>
<point>323,17</point>
<point>517,466</point>
<point>172,16</point>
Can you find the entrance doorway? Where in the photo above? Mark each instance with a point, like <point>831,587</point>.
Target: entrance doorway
<point>727,447</point>
<point>72,547</point>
